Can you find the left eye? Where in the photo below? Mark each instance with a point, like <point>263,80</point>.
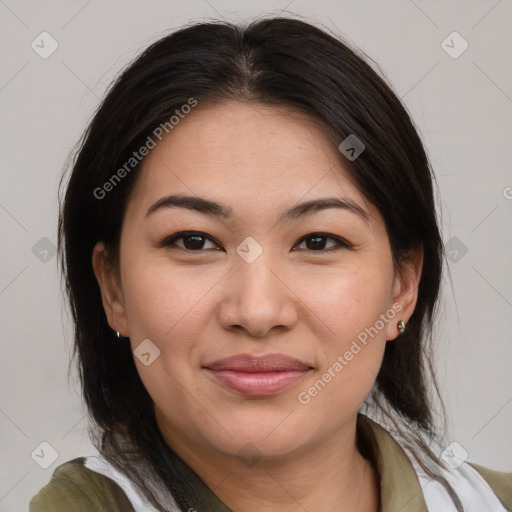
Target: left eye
<point>317,242</point>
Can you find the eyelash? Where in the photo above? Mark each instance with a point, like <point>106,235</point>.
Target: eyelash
<point>169,241</point>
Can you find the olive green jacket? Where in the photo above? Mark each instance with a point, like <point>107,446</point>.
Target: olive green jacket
<point>75,488</point>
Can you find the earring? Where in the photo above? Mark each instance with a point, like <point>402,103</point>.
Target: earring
<point>120,337</point>
<point>401,326</point>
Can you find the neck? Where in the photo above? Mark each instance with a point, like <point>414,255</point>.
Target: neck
<point>331,476</point>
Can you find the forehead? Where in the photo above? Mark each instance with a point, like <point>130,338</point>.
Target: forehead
<point>246,154</point>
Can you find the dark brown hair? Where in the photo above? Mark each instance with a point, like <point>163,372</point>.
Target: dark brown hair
<point>273,61</point>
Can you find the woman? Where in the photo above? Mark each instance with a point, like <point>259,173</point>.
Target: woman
<point>252,259</point>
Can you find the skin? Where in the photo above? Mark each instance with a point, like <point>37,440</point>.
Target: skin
<point>311,304</point>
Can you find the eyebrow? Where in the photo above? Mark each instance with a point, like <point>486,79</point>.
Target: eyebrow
<point>214,209</point>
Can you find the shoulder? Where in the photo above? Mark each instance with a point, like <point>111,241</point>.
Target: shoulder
<point>406,486</point>
<point>499,481</point>
<point>75,488</point>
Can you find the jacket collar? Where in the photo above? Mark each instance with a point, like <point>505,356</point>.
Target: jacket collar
<point>400,487</point>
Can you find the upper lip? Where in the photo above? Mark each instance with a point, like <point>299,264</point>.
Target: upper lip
<point>252,363</point>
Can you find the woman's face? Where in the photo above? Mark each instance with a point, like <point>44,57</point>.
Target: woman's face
<point>303,302</point>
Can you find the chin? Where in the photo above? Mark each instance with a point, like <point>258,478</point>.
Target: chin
<point>260,436</point>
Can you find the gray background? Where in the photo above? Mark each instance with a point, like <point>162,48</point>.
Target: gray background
<point>462,107</point>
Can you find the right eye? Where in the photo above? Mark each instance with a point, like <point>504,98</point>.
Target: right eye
<point>193,241</point>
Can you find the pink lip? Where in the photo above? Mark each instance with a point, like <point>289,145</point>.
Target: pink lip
<point>258,375</point>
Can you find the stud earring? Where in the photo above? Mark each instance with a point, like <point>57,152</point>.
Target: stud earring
<point>401,326</point>
<point>120,337</point>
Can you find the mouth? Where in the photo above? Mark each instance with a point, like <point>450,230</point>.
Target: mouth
<point>258,375</point>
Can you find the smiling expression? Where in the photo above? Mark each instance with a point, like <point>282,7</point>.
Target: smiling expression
<point>245,238</point>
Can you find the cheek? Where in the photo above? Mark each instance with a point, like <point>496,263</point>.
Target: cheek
<point>352,311</point>
<point>166,306</point>
<point>171,306</point>
<point>162,299</point>
<point>347,299</point>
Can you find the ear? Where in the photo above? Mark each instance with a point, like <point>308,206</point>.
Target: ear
<point>111,292</point>
<point>405,290</point>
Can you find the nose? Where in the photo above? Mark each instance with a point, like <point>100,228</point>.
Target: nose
<point>257,298</point>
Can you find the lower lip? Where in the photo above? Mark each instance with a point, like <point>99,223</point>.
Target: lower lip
<point>258,383</point>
